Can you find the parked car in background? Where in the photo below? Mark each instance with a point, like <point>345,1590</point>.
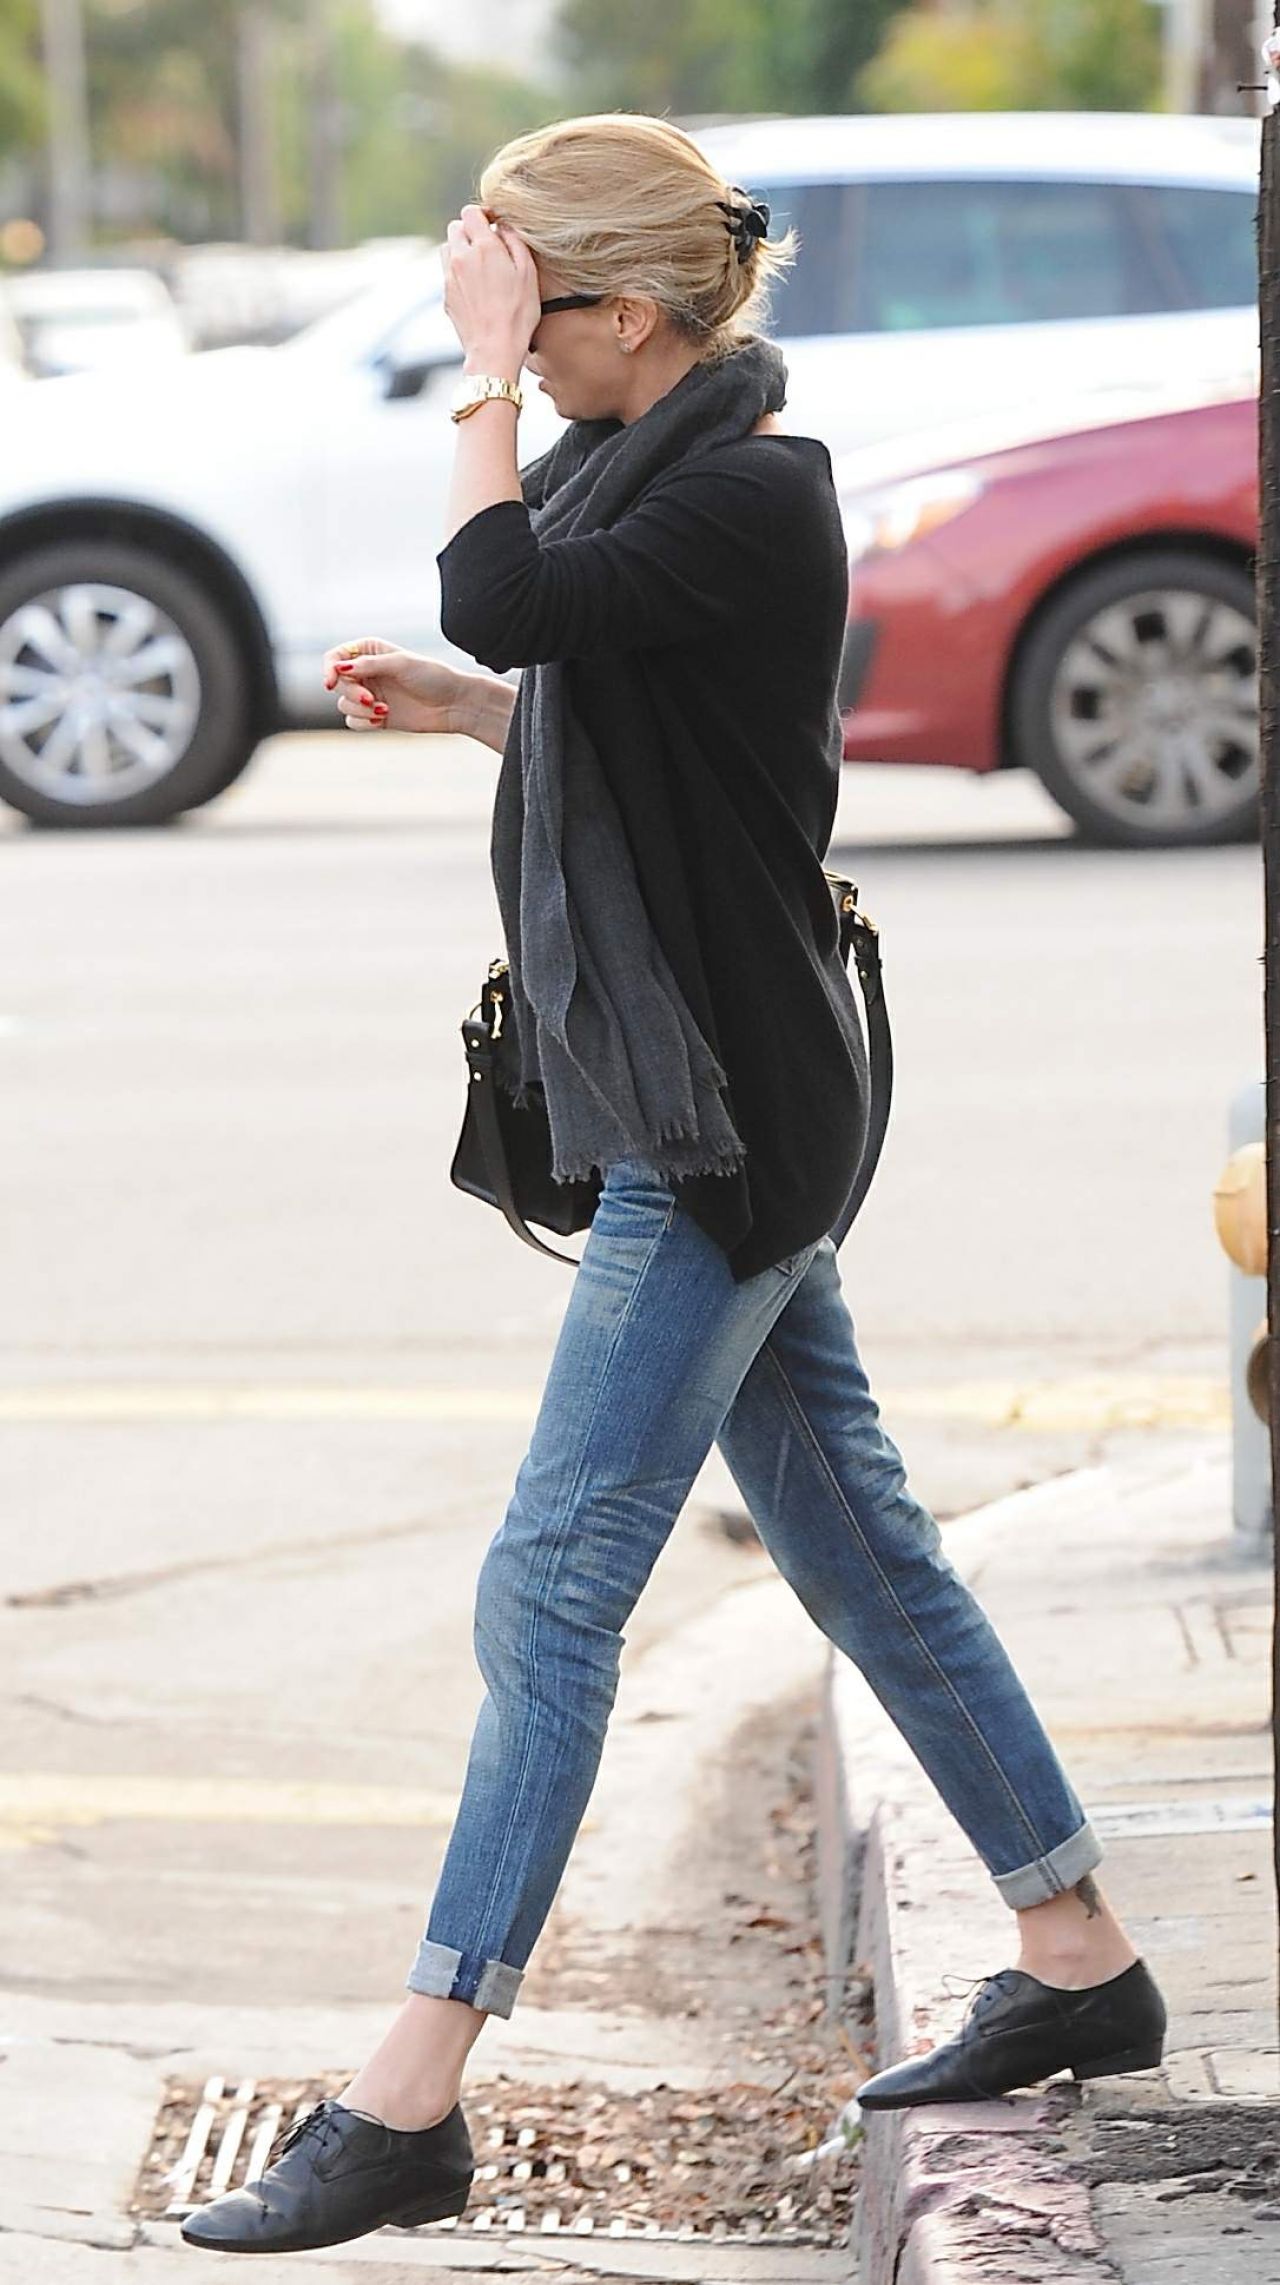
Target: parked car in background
<point>955,263</point>
<point>92,321</point>
<point>177,550</point>
<point>228,293</point>
<point>176,544</point>
<point>1073,597</point>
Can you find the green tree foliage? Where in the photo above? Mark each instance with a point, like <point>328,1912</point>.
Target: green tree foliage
<point>21,83</point>
<point>706,56</point>
<point>1019,55</point>
<point>1110,56</point>
<point>416,130</point>
<point>413,129</point>
<point>163,107</point>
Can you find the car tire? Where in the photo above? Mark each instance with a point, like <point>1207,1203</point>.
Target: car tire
<point>123,747</point>
<point>1145,751</point>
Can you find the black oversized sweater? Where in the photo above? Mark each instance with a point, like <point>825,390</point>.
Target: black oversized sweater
<point>703,636</point>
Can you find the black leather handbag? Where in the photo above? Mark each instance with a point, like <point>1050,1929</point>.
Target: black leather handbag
<point>504,1151</point>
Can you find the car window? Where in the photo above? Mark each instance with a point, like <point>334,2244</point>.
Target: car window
<point>358,326</point>
<point>816,294</point>
<point>1209,237</point>
<point>974,252</point>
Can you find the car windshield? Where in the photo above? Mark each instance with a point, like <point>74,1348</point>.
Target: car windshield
<point>361,327</point>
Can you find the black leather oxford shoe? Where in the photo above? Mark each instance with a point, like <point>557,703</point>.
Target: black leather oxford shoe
<point>1019,2030</point>
<point>338,2174</point>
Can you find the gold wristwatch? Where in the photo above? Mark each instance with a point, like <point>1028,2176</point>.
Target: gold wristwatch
<point>481,389</point>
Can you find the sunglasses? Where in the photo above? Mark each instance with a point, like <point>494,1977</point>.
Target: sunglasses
<point>570,301</point>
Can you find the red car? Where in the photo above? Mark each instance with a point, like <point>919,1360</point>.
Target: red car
<point>1077,600</point>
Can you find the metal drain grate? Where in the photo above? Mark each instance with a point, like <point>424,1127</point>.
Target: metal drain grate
<point>577,2160</point>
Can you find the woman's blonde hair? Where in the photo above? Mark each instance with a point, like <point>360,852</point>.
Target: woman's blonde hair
<point>619,203</point>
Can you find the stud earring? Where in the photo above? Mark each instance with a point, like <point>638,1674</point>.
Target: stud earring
<point>626,347</point>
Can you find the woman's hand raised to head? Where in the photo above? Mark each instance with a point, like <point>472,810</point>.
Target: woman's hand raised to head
<point>490,292</point>
<point>381,687</point>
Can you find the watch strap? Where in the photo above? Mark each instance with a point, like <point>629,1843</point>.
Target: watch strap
<point>483,389</point>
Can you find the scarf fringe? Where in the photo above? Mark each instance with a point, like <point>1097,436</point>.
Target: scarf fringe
<point>582,1168</point>
<point>529,1094</point>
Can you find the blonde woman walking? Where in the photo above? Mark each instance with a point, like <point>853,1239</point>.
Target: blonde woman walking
<point>671,579</point>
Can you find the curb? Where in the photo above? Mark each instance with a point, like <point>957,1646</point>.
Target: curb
<point>951,2190</point>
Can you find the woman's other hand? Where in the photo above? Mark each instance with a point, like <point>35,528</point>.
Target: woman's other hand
<point>491,293</point>
<point>381,687</point>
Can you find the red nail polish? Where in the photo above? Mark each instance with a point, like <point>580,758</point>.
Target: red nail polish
<point>382,710</point>
<point>344,666</point>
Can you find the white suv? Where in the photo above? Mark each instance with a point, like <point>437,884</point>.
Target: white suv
<point>178,546</point>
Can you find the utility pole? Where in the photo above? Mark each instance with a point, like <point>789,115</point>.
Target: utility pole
<point>326,128</point>
<point>62,40</point>
<point>259,186</point>
<point>1268,574</point>
<point>1230,52</point>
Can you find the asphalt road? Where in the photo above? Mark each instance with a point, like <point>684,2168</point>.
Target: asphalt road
<point>265,1378</point>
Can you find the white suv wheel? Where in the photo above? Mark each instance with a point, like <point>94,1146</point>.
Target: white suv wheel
<point>99,693</point>
<point>131,688</point>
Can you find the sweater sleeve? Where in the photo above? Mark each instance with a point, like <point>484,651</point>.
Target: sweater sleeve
<point>692,557</point>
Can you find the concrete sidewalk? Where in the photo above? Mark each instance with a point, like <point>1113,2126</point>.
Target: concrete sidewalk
<point>1143,1633</point>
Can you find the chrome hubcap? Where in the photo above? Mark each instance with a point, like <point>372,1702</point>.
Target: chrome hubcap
<point>1154,708</point>
<point>99,693</point>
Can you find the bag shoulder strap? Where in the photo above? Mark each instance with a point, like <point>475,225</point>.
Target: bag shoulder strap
<point>860,937</point>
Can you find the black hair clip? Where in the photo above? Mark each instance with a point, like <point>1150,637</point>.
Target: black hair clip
<point>746,223</point>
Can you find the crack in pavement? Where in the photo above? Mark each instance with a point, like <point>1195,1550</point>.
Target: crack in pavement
<point>112,1586</point>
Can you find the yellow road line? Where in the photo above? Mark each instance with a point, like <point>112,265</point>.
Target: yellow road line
<point>1088,1403</point>
<point>1085,1403</point>
<point>35,1806</point>
<point>262,1400</point>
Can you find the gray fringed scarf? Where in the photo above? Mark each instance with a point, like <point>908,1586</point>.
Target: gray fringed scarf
<point>600,1020</point>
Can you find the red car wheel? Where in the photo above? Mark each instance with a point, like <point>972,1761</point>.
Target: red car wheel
<point>1134,697</point>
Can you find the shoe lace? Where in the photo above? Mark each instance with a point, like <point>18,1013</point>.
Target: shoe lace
<point>986,1990</point>
<point>317,2120</point>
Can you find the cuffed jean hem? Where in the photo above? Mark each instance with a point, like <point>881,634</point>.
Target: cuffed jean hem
<point>1051,1875</point>
<point>441,1973</point>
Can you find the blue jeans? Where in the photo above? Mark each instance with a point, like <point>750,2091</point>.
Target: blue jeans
<point>661,1355</point>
